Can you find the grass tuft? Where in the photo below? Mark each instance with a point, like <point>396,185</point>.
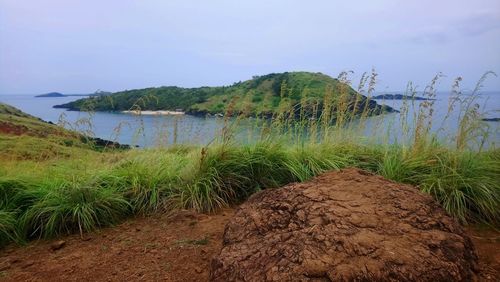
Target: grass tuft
<point>465,184</point>
<point>146,179</point>
<point>71,206</point>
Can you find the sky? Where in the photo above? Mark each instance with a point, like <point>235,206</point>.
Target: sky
<point>81,46</point>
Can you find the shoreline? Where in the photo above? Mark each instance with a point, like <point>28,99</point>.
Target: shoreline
<point>152,113</point>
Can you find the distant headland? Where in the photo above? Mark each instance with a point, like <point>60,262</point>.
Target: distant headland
<point>400,97</point>
<point>58,94</point>
<point>491,119</point>
<point>51,94</point>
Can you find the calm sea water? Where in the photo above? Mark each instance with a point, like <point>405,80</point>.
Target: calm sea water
<point>445,127</point>
<point>144,131</point>
<point>147,131</point>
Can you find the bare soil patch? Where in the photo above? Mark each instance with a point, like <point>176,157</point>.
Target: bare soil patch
<point>12,129</point>
<point>178,247</point>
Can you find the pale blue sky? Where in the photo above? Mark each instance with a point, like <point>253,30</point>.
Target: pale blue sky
<point>79,46</point>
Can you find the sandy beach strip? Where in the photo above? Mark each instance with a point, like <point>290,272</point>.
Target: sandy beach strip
<point>153,113</point>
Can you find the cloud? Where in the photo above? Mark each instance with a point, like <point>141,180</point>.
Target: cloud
<point>431,38</point>
<point>459,29</point>
<point>478,25</point>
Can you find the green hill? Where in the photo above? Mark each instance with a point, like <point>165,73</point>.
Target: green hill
<point>259,96</point>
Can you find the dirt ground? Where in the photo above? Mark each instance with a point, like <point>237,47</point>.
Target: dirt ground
<point>487,243</point>
<point>9,128</point>
<point>158,248</point>
<point>178,247</point>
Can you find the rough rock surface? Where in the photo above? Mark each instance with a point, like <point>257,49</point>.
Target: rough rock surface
<point>344,226</point>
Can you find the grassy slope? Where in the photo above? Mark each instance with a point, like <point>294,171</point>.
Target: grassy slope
<point>35,159</point>
<point>258,96</point>
<point>23,136</point>
<point>33,149</point>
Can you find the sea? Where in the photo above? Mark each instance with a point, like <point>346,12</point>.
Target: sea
<point>149,131</point>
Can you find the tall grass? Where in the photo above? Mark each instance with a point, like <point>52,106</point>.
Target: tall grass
<point>465,184</point>
<point>145,179</point>
<point>299,142</point>
<point>226,174</point>
<point>65,207</point>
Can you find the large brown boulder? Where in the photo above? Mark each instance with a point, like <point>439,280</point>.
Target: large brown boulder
<point>344,226</point>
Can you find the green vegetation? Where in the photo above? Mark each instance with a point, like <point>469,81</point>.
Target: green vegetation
<point>208,179</point>
<point>68,206</point>
<point>260,96</point>
<point>77,189</point>
<point>25,137</point>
